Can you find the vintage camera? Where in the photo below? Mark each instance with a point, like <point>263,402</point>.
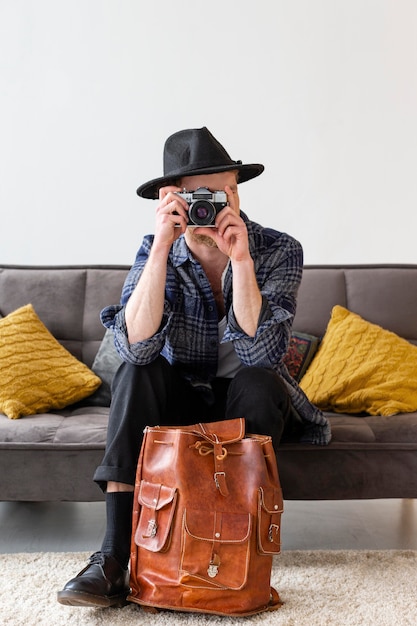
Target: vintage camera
<point>204,205</point>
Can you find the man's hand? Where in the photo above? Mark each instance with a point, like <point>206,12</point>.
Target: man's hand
<point>145,307</point>
<point>230,233</point>
<point>171,217</point>
<point>231,237</point>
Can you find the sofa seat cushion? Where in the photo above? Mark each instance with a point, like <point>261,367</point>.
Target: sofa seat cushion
<point>350,429</point>
<point>392,430</point>
<point>85,427</point>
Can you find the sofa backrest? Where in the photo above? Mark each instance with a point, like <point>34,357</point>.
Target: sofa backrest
<point>382,294</point>
<point>68,299</point>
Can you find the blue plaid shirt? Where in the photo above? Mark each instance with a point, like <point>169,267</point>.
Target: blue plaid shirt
<point>188,335</point>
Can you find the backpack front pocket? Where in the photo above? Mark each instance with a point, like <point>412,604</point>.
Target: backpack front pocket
<point>215,549</point>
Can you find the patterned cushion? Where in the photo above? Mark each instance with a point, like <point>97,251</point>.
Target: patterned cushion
<point>300,353</point>
<point>36,372</point>
<point>361,367</point>
<point>105,365</point>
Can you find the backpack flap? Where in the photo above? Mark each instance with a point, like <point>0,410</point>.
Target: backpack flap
<point>226,431</point>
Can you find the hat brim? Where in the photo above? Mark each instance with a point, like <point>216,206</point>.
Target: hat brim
<point>151,188</point>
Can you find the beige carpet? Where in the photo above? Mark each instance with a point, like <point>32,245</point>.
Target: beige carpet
<point>343,588</point>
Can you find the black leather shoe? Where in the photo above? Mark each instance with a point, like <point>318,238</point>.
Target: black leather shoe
<point>102,583</point>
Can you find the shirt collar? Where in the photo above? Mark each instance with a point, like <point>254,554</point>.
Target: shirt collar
<point>181,252</point>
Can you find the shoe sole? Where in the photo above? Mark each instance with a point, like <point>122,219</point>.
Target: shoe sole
<point>78,598</point>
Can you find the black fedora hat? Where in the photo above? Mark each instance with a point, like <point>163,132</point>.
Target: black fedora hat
<point>195,151</point>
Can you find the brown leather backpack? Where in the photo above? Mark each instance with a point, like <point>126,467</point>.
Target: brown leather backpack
<point>206,520</point>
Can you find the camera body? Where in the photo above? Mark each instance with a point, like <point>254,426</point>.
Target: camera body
<point>204,205</point>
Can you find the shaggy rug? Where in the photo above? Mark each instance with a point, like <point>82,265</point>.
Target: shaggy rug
<point>318,588</point>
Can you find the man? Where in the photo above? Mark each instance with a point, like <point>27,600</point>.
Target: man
<point>202,327</point>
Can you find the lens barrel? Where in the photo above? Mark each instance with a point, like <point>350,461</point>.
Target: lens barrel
<point>202,213</point>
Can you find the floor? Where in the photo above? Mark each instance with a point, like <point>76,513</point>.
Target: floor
<point>322,525</point>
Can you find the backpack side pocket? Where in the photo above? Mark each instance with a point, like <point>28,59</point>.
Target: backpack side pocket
<point>157,503</point>
<point>270,508</point>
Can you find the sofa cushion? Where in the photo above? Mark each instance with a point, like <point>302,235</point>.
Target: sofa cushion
<point>105,365</point>
<point>81,427</point>
<point>361,367</point>
<point>36,372</point>
<point>300,353</point>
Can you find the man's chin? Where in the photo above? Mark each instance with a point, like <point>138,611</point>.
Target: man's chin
<point>201,239</point>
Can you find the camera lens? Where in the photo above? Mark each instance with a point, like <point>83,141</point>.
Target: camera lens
<point>202,213</point>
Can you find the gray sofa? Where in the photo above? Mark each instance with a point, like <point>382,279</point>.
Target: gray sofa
<point>52,456</point>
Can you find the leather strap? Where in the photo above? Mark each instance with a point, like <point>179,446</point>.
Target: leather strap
<point>220,453</point>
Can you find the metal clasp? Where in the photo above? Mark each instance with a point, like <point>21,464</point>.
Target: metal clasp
<point>151,530</point>
<point>216,478</point>
<point>213,570</point>
<point>274,528</point>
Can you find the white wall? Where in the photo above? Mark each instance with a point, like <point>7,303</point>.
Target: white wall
<point>323,92</point>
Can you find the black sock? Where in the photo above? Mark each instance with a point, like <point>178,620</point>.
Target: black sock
<point>116,541</point>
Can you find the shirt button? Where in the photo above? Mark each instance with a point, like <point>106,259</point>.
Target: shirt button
<point>210,308</point>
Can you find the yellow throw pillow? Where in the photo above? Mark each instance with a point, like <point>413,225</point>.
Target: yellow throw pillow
<point>360,367</point>
<point>36,372</point>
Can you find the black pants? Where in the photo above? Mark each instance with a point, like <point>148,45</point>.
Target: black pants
<point>155,394</point>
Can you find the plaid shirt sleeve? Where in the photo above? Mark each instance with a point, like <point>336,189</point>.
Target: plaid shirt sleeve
<point>113,316</point>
